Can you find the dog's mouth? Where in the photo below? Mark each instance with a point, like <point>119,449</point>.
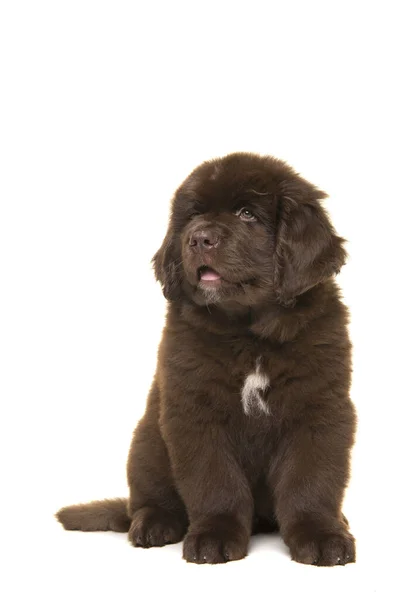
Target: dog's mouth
<point>207,275</point>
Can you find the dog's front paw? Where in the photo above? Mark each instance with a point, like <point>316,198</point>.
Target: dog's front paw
<point>214,542</point>
<point>321,547</point>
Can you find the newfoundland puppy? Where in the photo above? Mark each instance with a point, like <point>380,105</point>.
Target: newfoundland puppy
<point>249,425</point>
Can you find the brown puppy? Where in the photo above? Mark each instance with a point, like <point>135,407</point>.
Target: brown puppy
<point>249,424</point>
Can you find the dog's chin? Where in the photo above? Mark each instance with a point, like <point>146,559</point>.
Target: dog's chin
<point>206,285</point>
<point>224,293</point>
<point>209,286</point>
<point>212,292</point>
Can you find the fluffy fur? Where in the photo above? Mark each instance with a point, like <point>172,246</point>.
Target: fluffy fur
<point>247,266</point>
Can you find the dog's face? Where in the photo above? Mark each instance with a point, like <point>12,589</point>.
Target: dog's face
<point>246,229</point>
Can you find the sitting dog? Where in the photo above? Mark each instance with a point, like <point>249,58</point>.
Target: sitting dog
<point>249,424</point>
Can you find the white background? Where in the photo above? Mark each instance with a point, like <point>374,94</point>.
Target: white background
<point>105,108</point>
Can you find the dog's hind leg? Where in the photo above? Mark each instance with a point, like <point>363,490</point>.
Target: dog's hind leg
<point>156,510</point>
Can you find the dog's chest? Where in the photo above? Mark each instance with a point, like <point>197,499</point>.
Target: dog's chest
<point>236,376</point>
<point>254,391</point>
<point>250,368</point>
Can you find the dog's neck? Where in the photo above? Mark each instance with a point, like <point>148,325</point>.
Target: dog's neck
<point>269,320</point>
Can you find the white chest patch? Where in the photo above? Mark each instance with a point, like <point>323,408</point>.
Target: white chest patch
<point>253,393</point>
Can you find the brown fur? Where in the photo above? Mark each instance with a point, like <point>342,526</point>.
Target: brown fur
<point>199,468</point>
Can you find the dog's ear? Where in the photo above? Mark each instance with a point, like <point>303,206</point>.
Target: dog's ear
<point>166,262</point>
<point>307,249</point>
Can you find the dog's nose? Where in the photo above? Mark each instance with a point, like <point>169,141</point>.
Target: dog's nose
<point>203,239</point>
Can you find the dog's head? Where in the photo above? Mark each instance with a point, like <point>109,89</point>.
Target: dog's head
<point>245,229</point>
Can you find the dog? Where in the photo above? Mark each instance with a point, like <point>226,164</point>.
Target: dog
<point>249,424</point>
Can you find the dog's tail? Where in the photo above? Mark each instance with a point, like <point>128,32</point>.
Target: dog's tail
<point>101,515</point>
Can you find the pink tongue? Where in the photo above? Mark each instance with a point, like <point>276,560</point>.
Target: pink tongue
<point>209,275</point>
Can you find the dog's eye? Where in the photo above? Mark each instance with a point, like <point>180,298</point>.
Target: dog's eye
<point>246,215</point>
